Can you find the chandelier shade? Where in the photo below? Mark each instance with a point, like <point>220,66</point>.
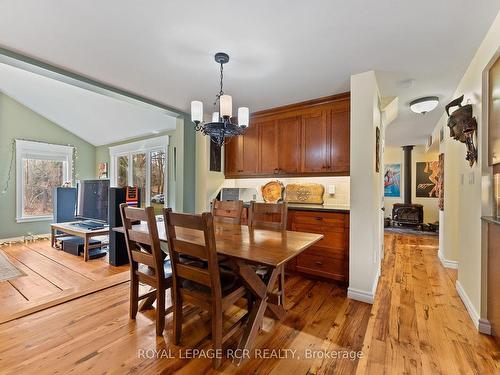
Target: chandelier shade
<point>221,127</point>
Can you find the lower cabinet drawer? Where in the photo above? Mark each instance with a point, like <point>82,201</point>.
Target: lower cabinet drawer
<point>320,265</point>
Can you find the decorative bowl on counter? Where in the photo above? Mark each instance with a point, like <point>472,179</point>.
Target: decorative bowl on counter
<point>272,192</point>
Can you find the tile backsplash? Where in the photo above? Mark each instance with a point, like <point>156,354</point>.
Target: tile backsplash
<point>340,198</point>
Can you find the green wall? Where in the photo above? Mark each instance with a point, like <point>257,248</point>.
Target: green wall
<point>18,121</point>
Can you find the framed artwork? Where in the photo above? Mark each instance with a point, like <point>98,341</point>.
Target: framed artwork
<point>441,182</point>
<point>427,185</point>
<point>392,180</point>
<point>215,157</point>
<point>102,171</point>
<point>377,150</point>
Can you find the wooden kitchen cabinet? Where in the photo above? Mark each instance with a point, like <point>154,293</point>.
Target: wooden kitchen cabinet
<point>314,142</point>
<point>306,139</point>
<point>268,147</point>
<point>328,258</point>
<point>289,145</point>
<point>339,137</point>
<point>241,154</point>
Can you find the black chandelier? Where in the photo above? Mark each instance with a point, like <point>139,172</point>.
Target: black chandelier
<point>221,126</point>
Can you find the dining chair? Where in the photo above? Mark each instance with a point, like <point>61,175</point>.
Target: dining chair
<point>227,211</point>
<point>147,263</point>
<point>213,289</point>
<point>268,215</point>
<point>272,216</point>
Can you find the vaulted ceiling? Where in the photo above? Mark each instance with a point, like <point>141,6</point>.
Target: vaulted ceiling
<point>281,51</point>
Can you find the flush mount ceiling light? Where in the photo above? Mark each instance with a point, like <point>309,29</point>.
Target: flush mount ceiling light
<point>221,126</point>
<point>424,105</point>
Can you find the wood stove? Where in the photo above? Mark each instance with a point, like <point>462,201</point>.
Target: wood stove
<point>407,213</point>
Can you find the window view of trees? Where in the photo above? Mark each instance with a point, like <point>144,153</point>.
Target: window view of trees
<point>139,174</point>
<point>40,179</point>
<point>122,171</point>
<point>146,169</point>
<point>157,180</point>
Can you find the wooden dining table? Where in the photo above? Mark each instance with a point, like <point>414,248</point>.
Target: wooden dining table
<point>245,246</point>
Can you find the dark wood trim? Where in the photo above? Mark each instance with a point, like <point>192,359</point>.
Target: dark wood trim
<point>278,175</point>
<point>302,105</point>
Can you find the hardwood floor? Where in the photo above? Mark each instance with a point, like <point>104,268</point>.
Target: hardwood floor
<point>48,272</point>
<point>419,324</point>
<point>93,334</point>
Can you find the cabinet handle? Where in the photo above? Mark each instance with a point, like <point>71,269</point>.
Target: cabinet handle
<point>318,218</point>
<point>276,170</point>
<point>318,263</point>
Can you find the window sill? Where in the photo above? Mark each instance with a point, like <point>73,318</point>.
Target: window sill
<point>29,219</point>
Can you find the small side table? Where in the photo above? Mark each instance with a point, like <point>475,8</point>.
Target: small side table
<point>74,230</point>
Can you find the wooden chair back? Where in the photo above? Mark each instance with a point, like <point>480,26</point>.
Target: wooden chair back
<point>268,215</point>
<point>227,211</point>
<point>204,251</point>
<point>143,248</point>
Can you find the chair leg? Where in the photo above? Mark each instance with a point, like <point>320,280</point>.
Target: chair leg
<point>177,302</point>
<point>160,311</point>
<point>134,296</point>
<point>282,285</point>
<point>217,335</point>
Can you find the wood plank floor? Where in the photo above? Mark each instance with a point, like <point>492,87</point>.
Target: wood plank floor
<point>94,335</point>
<point>48,272</point>
<point>419,324</point>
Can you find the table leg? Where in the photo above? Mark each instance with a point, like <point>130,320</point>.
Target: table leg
<point>261,291</point>
<point>86,249</point>
<point>52,237</point>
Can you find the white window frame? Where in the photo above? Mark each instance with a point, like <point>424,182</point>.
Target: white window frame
<point>145,146</point>
<point>42,151</point>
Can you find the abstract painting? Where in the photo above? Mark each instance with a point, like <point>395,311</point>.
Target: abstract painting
<point>427,179</point>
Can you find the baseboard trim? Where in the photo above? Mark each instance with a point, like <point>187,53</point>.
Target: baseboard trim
<point>360,295</point>
<point>447,263</point>
<point>363,295</point>
<point>482,325</point>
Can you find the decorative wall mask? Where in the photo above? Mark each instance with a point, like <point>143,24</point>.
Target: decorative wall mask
<point>462,127</point>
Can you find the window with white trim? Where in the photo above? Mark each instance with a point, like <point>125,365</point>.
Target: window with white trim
<point>142,164</point>
<point>40,168</point>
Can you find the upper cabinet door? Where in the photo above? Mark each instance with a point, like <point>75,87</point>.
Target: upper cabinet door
<point>233,156</point>
<point>250,150</point>
<point>314,142</point>
<point>268,147</point>
<point>289,144</point>
<point>340,140</point>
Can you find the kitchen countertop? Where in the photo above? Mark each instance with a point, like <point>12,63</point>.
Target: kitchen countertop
<point>491,219</point>
<point>313,207</point>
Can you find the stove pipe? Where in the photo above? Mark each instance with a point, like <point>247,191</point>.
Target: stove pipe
<point>407,174</point>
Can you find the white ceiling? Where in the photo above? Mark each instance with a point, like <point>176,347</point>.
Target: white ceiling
<point>282,51</point>
<point>96,118</point>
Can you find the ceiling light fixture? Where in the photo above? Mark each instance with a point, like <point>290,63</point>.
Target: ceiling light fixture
<point>424,105</point>
<point>221,126</point>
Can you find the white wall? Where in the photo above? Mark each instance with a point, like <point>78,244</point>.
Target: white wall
<point>394,155</point>
<point>366,195</point>
<point>468,190</point>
